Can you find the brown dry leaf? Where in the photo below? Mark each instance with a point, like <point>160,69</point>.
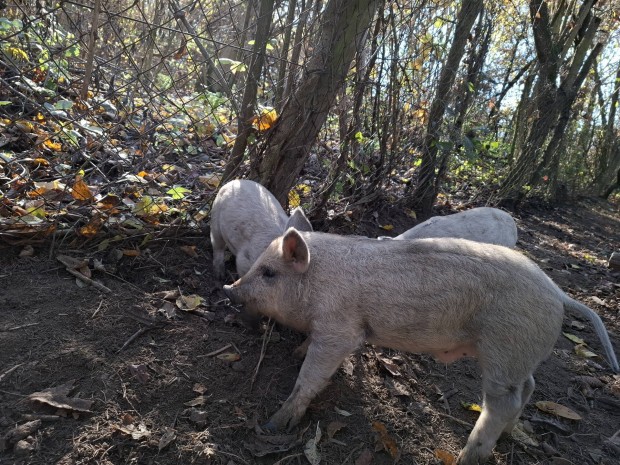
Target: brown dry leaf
<point>446,457</point>
<point>27,251</point>
<point>92,228</point>
<point>200,400</point>
<point>557,409</point>
<point>199,388</point>
<point>389,366</point>
<point>229,356</point>
<point>84,270</point>
<point>334,427</point>
<point>81,191</point>
<point>365,458</point>
<point>589,381</point>
<point>166,438</point>
<point>57,397</point>
<point>310,449</point>
<point>385,441</point>
<point>109,202</point>
<point>519,433</point>
<point>189,250</point>
<point>131,252</point>
<point>167,295</point>
<point>136,432</point>
<point>575,339</point>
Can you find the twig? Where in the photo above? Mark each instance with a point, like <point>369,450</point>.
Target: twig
<point>263,349</point>
<point>15,328</point>
<point>10,370</point>
<point>215,352</point>
<point>464,423</point>
<point>98,308</point>
<point>351,454</point>
<point>81,277</point>
<point>138,333</point>
<point>30,417</point>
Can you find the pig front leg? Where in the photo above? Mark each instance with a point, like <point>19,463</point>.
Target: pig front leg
<point>324,356</point>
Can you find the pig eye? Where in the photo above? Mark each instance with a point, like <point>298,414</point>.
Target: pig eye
<point>268,273</point>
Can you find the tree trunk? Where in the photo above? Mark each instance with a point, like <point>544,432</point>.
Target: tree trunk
<point>425,193</point>
<point>287,145</point>
<point>248,106</point>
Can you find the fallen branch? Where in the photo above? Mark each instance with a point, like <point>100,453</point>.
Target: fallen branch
<point>263,350</point>
<point>10,370</point>
<point>137,334</point>
<point>218,351</point>
<point>70,268</point>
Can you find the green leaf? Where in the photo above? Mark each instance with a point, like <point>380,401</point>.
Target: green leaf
<point>63,105</point>
<point>575,339</point>
<point>359,137</point>
<point>178,192</point>
<point>4,102</point>
<point>471,87</point>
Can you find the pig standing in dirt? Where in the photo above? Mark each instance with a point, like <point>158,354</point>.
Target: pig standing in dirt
<point>246,217</point>
<point>483,224</point>
<point>448,297</point>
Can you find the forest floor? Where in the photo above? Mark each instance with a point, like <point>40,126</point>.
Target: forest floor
<point>189,389</point>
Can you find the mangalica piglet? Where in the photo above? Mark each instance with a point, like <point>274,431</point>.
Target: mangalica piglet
<point>246,217</point>
<point>483,224</point>
<point>450,298</point>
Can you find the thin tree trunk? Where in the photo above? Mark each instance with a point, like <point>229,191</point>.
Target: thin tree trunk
<point>284,64</point>
<point>344,27</point>
<point>425,193</point>
<point>248,106</point>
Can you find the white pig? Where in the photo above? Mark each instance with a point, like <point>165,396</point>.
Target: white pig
<point>447,297</point>
<point>483,224</point>
<point>246,217</point>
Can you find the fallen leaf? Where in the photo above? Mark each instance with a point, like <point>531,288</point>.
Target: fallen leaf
<point>583,351</point>
<point>131,252</point>
<point>199,388</point>
<point>81,191</point>
<point>137,432</point>
<point>200,400</point>
<point>27,251</point>
<point>598,301</point>
<point>266,119</point>
<point>387,227</point>
<point>446,457</point>
<point>560,461</point>
<point>229,356</point>
<point>471,406</point>
<point>572,337</point>
<point>557,409</point>
<point>344,413</point>
<point>577,325</point>
<point>187,303</point>
<point>334,427</point>
<point>189,250</point>
<point>166,438</point>
<point>385,440</point>
<point>310,449</point>
<point>389,366</point>
<point>57,397</point>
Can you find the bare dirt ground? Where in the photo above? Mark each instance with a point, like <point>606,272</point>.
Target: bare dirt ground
<point>182,392</point>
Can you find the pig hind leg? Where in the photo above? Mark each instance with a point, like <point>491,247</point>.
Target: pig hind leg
<point>218,244</point>
<point>503,402</point>
<point>526,393</point>
<point>324,356</point>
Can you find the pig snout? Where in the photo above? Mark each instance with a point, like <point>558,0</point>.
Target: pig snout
<point>229,291</point>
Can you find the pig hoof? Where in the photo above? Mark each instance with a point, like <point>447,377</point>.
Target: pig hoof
<point>269,427</point>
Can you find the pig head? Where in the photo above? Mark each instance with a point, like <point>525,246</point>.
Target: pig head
<point>447,297</point>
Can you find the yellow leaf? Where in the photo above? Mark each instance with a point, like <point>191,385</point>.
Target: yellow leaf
<point>81,191</point>
<point>387,227</point>
<point>471,406</point>
<point>142,174</point>
<point>294,200</point>
<point>55,146</point>
<point>25,126</point>
<point>41,161</point>
<point>446,457</point>
<point>18,54</point>
<point>557,409</point>
<point>92,228</point>
<point>266,119</point>
<point>187,303</point>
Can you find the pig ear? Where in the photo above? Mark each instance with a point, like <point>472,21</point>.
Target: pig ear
<point>295,250</point>
<point>298,221</point>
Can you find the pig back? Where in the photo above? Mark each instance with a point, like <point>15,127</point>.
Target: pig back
<point>483,224</point>
<point>423,295</point>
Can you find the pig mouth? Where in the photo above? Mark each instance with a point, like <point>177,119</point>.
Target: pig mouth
<point>230,292</point>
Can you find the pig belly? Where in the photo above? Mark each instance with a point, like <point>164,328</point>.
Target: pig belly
<point>455,353</point>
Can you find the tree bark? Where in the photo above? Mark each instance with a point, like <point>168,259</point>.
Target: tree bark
<point>287,145</point>
<point>425,193</point>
